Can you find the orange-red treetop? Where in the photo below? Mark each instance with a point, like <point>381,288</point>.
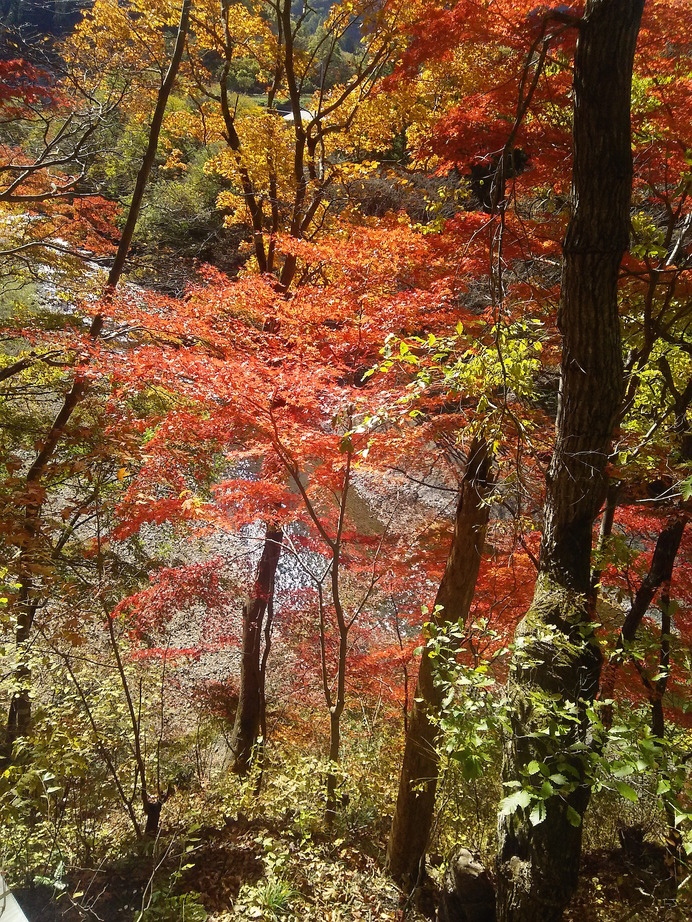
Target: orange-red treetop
<point>264,410</point>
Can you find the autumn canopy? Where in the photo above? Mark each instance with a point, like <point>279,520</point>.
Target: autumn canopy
<point>346,467</point>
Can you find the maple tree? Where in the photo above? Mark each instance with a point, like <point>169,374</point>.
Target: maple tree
<point>497,177</point>
<point>34,497</point>
<point>285,436</point>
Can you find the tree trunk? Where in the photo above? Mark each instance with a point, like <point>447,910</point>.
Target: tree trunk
<point>657,689</point>
<point>152,810</point>
<point>413,814</point>
<point>605,532</point>
<point>334,747</point>
<point>19,716</point>
<point>660,574</point>
<point>658,724</point>
<point>538,866</point>
<point>248,716</point>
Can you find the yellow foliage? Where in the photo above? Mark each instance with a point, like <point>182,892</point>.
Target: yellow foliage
<point>202,125</point>
<point>111,37</point>
<point>266,156</point>
<point>175,161</point>
<point>250,34</point>
<point>118,48</point>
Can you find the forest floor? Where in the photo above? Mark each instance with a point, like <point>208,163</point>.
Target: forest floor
<point>227,873</point>
<point>227,853</point>
<point>616,886</point>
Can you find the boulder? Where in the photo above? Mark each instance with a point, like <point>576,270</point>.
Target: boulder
<point>468,894</point>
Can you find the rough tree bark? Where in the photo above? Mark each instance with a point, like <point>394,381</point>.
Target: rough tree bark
<point>415,804</point>
<point>27,602</point>
<point>538,866</point>
<point>248,717</point>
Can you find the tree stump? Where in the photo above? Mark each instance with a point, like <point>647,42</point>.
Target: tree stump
<point>468,893</point>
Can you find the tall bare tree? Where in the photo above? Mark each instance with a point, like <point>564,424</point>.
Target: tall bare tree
<point>538,865</point>
<point>415,803</point>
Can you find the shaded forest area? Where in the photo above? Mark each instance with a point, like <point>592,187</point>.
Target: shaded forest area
<point>36,18</point>
<point>346,463</point>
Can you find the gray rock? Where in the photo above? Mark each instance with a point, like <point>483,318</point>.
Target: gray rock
<point>468,894</point>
